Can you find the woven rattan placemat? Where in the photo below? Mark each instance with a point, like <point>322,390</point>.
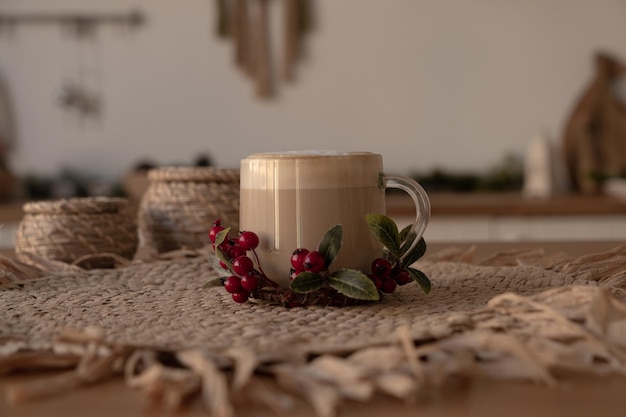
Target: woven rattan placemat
<point>517,315</point>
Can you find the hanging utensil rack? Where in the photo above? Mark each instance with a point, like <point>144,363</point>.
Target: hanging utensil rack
<point>80,23</point>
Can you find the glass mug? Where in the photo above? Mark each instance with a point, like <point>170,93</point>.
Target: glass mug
<point>291,199</point>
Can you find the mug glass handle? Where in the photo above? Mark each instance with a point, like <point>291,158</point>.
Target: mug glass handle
<point>419,197</point>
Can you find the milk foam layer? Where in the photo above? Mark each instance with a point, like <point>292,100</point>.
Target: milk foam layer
<point>310,170</point>
<point>304,153</point>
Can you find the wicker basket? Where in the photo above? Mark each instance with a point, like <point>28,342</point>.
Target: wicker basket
<point>181,203</point>
<point>68,230</point>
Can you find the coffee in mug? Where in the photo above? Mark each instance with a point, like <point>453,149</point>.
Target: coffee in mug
<point>291,199</point>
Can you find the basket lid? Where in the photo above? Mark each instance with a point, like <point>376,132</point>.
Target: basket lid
<point>198,174</point>
<point>82,205</point>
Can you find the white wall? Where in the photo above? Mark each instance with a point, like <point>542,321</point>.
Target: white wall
<point>425,82</point>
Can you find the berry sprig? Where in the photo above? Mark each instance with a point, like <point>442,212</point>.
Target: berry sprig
<point>401,252</point>
<point>311,280</point>
<point>245,278</point>
<point>310,271</point>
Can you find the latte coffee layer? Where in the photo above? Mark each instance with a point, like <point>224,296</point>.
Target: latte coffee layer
<point>290,200</point>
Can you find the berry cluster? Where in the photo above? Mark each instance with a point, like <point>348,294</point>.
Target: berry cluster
<point>303,260</point>
<point>244,278</point>
<point>387,277</point>
<point>312,283</point>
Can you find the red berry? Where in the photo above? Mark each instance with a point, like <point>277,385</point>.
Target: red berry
<point>240,297</point>
<point>377,281</point>
<point>403,277</point>
<point>214,231</point>
<point>225,246</point>
<point>249,282</point>
<point>381,267</point>
<point>236,251</point>
<point>248,240</point>
<point>297,258</point>
<point>232,284</point>
<point>223,265</point>
<point>242,265</point>
<point>389,285</point>
<point>314,262</point>
<point>293,273</point>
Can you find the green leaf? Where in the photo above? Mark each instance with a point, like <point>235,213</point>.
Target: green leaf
<point>418,251</point>
<point>223,257</point>
<point>421,278</point>
<point>214,261</point>
<point>331,244</point>
<point>386,231</point>
<point>307,282</point>
<point>407,241</point>
<point>221,236</point>
<point>214,282</point>
<point>354,284</point>
<point>404,233</point>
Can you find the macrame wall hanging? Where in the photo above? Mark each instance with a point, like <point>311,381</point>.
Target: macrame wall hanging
<point>80,95</point>
<point>246,23</point>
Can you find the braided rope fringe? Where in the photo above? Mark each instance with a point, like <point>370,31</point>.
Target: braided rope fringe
<point>527,320</point>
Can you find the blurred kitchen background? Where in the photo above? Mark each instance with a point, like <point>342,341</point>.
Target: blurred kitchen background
<point>471,97</point>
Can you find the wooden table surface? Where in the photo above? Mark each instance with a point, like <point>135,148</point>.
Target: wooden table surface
<point>576,395</point>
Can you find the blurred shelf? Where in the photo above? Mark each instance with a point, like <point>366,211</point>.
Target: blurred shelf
<point>509,204</point>
<point>11,212</point>
<point>476,218</point>
<point>476,204</point>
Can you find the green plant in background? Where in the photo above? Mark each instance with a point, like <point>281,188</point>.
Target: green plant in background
<point>507,175</point>
<point>599,177</point>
